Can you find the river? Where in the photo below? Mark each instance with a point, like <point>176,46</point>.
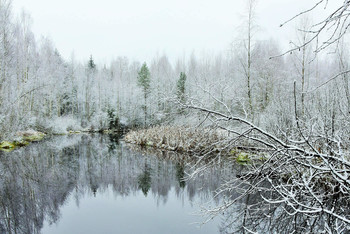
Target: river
<point>97,184</point>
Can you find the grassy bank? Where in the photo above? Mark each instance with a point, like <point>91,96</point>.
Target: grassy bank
<point>177,139</point>
<point>22,139</point>
<point>198,141</point>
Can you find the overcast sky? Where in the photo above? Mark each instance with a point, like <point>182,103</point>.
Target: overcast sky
<point>139,29</point>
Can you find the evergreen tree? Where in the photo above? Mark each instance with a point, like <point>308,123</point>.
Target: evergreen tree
<point>144,81</point>
<point>91,64</point>
<point>180,92</point>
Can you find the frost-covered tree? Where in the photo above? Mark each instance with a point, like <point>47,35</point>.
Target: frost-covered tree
<point>267,72</point>
<point>144,82</point>
<point>90,80</point>
<point>181,87</point>
<point>246,59</point>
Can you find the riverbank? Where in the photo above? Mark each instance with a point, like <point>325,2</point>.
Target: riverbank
<point>193,141</point>
<point>24,138</point>
<point>184,140</point>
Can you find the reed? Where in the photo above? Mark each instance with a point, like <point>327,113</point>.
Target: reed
<point>181,139</point>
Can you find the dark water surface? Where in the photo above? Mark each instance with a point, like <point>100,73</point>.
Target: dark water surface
<point>95,184</point>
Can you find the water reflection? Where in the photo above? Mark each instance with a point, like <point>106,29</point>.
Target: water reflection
<point>38,180</point>
<point>144,180</point>
<point>39,183</point>
<point>254,215</point>
<point>180,174</point>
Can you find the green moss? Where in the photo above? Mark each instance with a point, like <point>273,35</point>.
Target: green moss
<point>20,143</point>
<point>74,132</point>
<point>34,137</point>
<point>243,158</point>
<point>263,158</point>
<point>7,146</point>
<point>233,152</point>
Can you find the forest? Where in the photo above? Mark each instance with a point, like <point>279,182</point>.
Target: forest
<point>292,104</point>
<point>40,90</point>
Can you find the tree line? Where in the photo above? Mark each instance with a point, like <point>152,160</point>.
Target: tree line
<point>41,90</point>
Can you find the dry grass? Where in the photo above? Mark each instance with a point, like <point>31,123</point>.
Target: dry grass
<point>182,139</point>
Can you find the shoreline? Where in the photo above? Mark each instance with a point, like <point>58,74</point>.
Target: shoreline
<point>24,138</point>
<point>202,142</point>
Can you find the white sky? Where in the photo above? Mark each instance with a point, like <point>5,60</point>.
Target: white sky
<point>139,29</point>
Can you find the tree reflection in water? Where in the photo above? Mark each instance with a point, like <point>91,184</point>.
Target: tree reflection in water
<point>180,174</point>
<point>254,215</point>
<point>144,180</point>
<point>37,180</point>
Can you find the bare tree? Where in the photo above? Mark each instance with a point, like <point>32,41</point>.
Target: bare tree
<point>327,31</point>
<point>245,59</point>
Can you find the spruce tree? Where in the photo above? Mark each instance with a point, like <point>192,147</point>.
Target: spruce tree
<point>91,63</point>
<point>144,81</point>
<point>180,85</point>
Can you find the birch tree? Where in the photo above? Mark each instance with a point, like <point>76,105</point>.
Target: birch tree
<point>249,27</point>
